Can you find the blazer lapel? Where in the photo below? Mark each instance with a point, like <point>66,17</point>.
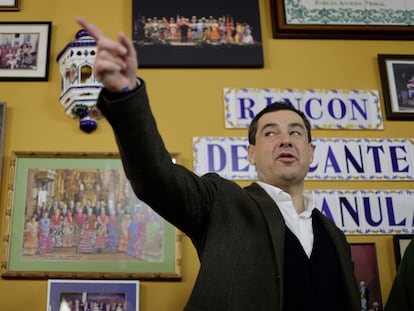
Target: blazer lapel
<point>274,222</point>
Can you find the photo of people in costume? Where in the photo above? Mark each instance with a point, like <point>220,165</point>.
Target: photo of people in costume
<point>88,214</point>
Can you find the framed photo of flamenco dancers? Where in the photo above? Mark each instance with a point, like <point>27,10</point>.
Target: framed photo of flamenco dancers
<point>74,215</point>
<point>93,295</point>
<point>201,34</point>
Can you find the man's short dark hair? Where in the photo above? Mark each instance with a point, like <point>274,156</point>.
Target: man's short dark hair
<point>276,106</point>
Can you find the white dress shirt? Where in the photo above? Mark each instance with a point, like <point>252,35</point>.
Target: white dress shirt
<point>299,224</point>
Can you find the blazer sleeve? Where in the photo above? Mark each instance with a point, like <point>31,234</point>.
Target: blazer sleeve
<point>177,194</point>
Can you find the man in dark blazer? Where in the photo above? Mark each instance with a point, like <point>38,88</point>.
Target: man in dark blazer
<point>261,248</point>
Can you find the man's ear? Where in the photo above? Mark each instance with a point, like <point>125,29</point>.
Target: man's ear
<point>250,154</point>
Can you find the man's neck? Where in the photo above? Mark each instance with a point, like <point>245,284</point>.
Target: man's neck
<point>296,193</point>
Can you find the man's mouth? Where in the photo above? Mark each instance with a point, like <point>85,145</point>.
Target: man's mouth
<point>286,156</point>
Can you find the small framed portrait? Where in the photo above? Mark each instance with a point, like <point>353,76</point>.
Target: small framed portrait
<point>67,295</point>
<point>24,51</point>
<point>397,79</point>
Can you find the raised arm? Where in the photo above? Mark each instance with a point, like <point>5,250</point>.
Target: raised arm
<point>116,61</point>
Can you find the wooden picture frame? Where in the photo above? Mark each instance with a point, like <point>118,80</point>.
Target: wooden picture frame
<point>401,242</point>
<point>92,294</point>
<point>28,50</point>
<point>2,125</point>
<point>110,234</point>
<point>397,80</point>
<point>364,257</point>
<point>9,5</point>
<point>300,19</point>
<point>213,34</point>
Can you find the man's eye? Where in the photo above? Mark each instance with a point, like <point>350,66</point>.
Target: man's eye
<point>295,133</point>
<point>268,134</point>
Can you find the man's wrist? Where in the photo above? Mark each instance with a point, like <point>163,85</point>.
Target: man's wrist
<point>132,86</point>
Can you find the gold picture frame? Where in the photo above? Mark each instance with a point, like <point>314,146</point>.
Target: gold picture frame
<point>110,234</point>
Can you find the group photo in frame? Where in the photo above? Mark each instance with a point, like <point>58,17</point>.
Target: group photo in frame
<point>401,242</point>
<point>379,20</point>
<point>24,51</point>
<point>209,34</point>
<point>397,80</point>
<point>364,257</point>
<point>75,215</point>
<point>9,5</point>
<point>114,295</point>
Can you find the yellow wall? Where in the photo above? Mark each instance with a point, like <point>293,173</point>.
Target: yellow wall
<point>187,103</point>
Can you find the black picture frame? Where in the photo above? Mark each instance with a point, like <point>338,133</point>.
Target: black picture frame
<point>364,257</point>
<point>333,20</point>
<point>401,242</point>
<point>28,44</point>
<point>397,80</point>
<point>159,43</point>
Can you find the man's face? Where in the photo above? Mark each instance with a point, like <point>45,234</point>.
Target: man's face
<point>282,154</point>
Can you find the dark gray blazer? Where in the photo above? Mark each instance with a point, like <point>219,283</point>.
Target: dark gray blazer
<point>238,232</point>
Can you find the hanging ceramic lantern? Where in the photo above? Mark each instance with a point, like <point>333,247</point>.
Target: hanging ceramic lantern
<point>79,88</point>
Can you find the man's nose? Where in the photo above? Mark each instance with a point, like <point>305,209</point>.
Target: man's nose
<point>285,140</point>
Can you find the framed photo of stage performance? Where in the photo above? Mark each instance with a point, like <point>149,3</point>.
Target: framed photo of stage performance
<point>74,215</point>
<point>92,295</point>
<point>211,34</point>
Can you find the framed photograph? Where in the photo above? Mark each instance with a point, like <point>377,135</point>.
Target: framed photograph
<point>74,215</point>
<point>364,257</point>
<point>24,51</point>
<point>397,79</point>
<point>9,5</point>
<point>104,295</point>
<point>331,19</point>
<point>2,124</point>
<point>209,34</point>
<point>401,242</point>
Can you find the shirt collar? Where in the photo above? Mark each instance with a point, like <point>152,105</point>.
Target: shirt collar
<point>279,196</point>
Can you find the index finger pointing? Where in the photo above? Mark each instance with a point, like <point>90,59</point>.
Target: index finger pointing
<point>94,31</point>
